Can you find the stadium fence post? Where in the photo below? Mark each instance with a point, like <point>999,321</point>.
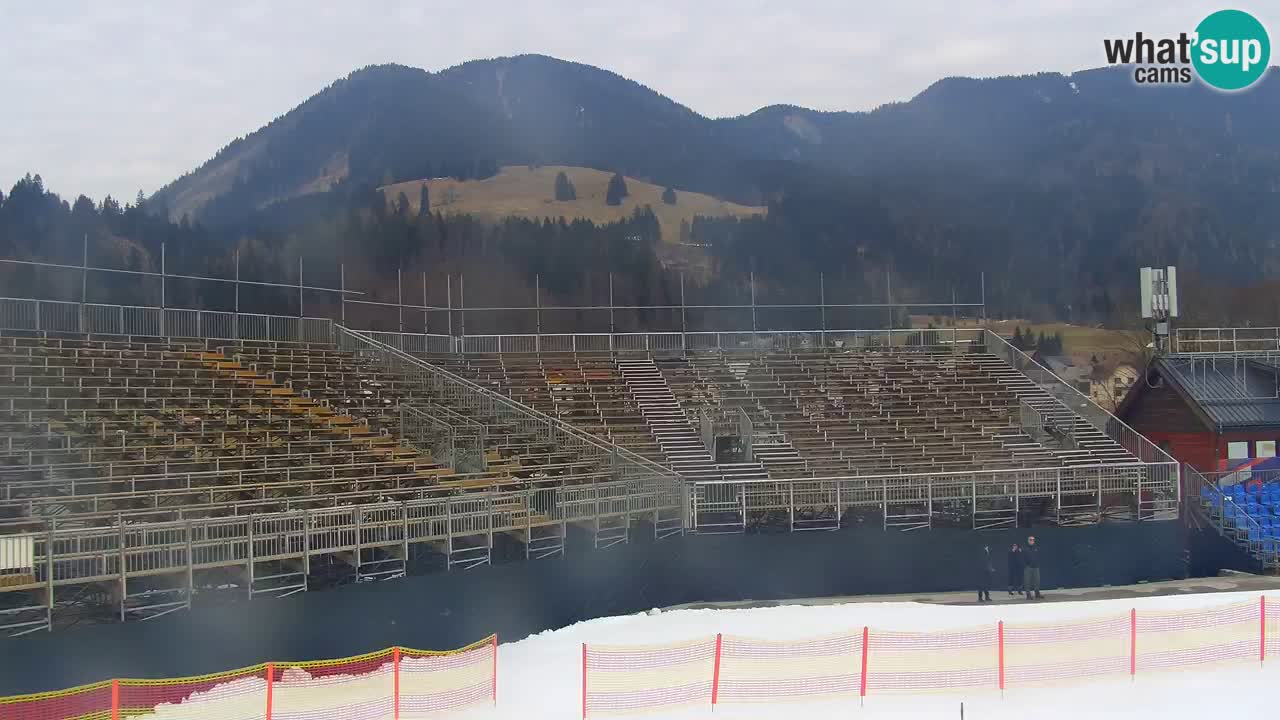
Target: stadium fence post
<point>271,674</point>
<point>1262,628</point>
<point>115,700</point>
<point>395,670</point>
<point>495,669</point>
<point>1133,643</point>
<point>862,688</point>
<point>1000,652</point>
<point>715,675</point>
<point>584,681</point>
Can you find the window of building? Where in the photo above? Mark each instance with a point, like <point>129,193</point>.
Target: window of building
<point>1238,450</point>
<point>1266,449</point>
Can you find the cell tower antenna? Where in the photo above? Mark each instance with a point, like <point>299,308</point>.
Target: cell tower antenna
<point>1159,303</point>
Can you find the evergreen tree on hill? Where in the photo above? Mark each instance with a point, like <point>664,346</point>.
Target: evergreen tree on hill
<point>617,190</point>
<point>564,189</point>
<point>424,202</point>
<point>669,196</point>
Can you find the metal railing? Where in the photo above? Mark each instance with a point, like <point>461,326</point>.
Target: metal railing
<point>1077,402</point>
<point>451,438</point>
<point>641,475</point>
<point>84,554</point>
<point>54,316</point>
<point>1227,340</point>
<point>721,504</point>
<point>747,432</point>
<point>1227,478</point>
<point>1231,520</point>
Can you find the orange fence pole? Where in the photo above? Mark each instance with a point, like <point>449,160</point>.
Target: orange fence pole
<point>1000,650</point>
<point>495,668</point>
<point>584,680</point>
<point>115,700</point>
<point>395,669</point>
<point>715,675</point>
<point>862,691</point>
<point>1133,642</point>
<point>1262,628</point>
<point>271,675</point>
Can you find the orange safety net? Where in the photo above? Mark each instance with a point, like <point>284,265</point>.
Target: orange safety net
<point>232,695</point>
<point>355,688</point>
<point>393,683</point>
<point>87,702</point>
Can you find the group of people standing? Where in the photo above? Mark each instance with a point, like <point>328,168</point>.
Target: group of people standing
<point>1024,572</point>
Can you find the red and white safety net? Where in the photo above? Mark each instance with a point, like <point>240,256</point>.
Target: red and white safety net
<point>1045,654</point>
<point>770,671</point>
<point>435,682</point>
<point>932,661</point>
<point>647,677</point>
<point>1171,640</point>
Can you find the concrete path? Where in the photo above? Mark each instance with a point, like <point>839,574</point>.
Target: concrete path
<point>1227,582</point>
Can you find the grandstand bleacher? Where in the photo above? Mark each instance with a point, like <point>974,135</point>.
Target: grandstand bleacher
<point>142,472</point>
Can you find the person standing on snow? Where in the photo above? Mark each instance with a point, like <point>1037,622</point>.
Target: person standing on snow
<point>985,577</point>
<point>1031,571</point>
<point>1015,569</point>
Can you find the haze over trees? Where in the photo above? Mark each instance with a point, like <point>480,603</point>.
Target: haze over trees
<point>1056,187</point>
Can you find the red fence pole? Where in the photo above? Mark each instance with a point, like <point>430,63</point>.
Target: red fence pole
<point>1133,642</point>
<point>1262,628</point>
<point>1000,651</point>
<point>862,690</point>
<point>715,675</point>
<point>395,669</point>
<point>584,680</point>
<point>271,674</point>
<point>495,668</point>
<point>115,700</point>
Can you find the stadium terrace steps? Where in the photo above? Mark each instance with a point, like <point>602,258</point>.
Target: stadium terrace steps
<point>697,383</point>
<point>296,404</point>
<point>680,443</point>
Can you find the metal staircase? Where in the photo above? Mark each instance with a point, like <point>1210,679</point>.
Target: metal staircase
<point>676,436</point>
<point>1231,520</point>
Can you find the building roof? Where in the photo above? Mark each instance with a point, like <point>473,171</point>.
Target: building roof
<point>1230,392</point>
<point>1061,366</point>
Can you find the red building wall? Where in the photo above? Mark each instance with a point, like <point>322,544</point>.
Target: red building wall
<point>1165,419</point>
<point>1199,450</point>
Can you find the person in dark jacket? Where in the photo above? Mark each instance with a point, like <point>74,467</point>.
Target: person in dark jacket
<point>1031,570</point>
<point>1015,569</point>
<point>986,574</point>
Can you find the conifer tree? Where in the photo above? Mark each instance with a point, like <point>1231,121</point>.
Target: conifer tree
<point>564,188</point>
<point>617,190</point>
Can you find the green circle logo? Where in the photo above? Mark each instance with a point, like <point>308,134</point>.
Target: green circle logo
<point>1232,50</point>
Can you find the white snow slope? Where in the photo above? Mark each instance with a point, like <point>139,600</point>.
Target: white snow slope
<point>540,677</point>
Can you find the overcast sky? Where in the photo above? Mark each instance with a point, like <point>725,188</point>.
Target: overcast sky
<point>115,97</point>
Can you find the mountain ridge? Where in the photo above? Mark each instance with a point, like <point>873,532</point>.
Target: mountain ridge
<point>1056,185</point>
